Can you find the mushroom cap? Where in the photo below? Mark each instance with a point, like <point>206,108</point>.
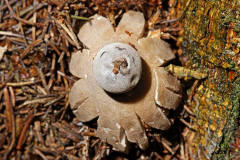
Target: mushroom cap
<point>117,67</point>
<point>121,117</point>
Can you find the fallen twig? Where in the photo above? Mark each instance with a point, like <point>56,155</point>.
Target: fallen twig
<point>19,84</point>
<point>9,110</point>
<point>22,138</point>
<point>11,122</point>
<point>39,100</point>
<point>16,17</point>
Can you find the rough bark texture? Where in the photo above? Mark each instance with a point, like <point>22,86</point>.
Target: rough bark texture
<point>211,42</point>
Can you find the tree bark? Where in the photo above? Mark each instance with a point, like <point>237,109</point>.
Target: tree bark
<point>211,43</point>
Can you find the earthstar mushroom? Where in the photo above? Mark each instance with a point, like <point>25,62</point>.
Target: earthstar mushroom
<point>142,87</point>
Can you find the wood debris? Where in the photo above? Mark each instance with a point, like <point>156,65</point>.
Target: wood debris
<point>2,51</point>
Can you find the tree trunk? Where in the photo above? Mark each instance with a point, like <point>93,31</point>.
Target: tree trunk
<point>211,43</point>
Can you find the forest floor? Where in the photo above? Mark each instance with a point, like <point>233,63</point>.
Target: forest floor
<point>36,121</point>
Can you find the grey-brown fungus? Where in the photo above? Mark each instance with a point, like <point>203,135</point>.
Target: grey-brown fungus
<point>117,67</point>
<point>122,61</point>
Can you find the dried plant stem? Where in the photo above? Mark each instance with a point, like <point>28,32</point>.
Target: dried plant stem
<point>79,17</point>
<point>65,107</point>
<point>40,100</point>
<point>53,101</point>
<point>38,152</point>
<point>167,147</point>
<point>13,99</point>
<point>186,123</point>
<point>30,47</point>
<point>193,90</point>
<point>189,111</point>
<point>65,36</point>
<point>16,17</point>
<point>34,27</point>
<point>19,84</point>
<point>43,79</point>
<point>9,110</point>
<point>11,121</point>
<point>35,8</point>
<point>90,134</point>
<point>25,10</point>
<point>21,139</point>
<point>54,47</point>
<point>68,29</point>
<point>5,6</point>
<point>7,33</point>
<point>64,75</point>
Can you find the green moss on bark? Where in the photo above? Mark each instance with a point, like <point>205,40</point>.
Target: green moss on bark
<point>211,42</point>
